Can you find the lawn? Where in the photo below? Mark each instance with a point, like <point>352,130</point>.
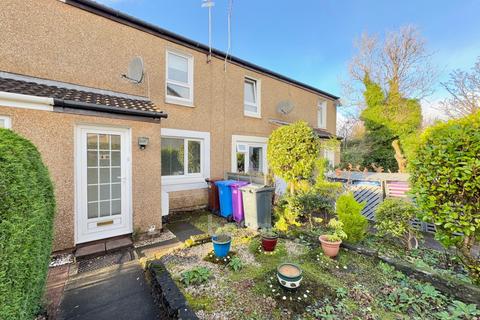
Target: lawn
<point>352,286</point>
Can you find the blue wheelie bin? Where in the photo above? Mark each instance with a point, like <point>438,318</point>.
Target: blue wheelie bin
<point>225,196</point>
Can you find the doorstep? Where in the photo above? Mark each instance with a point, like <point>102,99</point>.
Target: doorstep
<point>101,247</point>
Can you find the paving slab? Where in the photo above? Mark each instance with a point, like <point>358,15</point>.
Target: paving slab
<point>120,292</point>
<point>183,230</point>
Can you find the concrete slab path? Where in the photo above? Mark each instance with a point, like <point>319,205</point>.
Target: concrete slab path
<point>120,292</point>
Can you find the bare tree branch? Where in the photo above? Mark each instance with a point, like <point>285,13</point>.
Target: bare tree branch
<point>464,89</point>
<point>400,60</point>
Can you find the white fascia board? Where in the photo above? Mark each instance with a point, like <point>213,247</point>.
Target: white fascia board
<point>24,101</point>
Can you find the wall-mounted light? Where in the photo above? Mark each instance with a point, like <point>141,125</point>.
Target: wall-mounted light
<point>142,142</point>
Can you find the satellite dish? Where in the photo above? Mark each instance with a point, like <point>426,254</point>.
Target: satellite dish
<point>135,70</point>
<point>285,107</point>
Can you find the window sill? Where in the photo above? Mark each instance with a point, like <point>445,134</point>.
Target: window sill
<point>179,102</point>
<point>253,115</point>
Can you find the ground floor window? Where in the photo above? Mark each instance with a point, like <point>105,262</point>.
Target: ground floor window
<point>249,154</point>
<point>185,156</point>
<point>5,122</point>
<point>181,156</point>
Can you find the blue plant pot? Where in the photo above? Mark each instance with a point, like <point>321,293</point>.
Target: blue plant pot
<point>221,245</point>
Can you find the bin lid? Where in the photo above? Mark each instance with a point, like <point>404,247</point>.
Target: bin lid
<point>254,187</point>
<point>225,183</point>
<point>239,184</point>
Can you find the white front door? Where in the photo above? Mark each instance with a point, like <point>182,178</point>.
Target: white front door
<point>103,183</point>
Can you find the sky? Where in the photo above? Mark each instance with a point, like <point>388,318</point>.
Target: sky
<point>312,41</point>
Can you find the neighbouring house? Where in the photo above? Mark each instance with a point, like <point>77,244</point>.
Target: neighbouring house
<point>117,162</point>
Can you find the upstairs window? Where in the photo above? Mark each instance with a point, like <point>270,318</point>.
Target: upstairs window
<point>251,100</point>
<point>322,114</point>
<point>179,79</point>
<point>5,122</point>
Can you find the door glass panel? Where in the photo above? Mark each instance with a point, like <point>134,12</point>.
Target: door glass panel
<point>103,175</point>
<point>92,210</point>
<point>92,194</point>
<point>92,158</point>
<point>194,156</point>
<point>105,192</point>
<point>104,157</point>
<point>115,140</point>
<point>115,158</point>
<point>116,207</point>
<point>172,157</point>
<point>104,141</point>
<point>104,208</point>
<point>256,159</point>
<point>116,191</point>
<point>92,141</point>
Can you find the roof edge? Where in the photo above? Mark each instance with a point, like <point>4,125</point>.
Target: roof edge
<point>118,16</point>
<point>102,108</point>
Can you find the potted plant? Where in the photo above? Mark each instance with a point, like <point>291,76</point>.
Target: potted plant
<point>289,275</point>
<point>269,239</point>
<point>331,242</point>
<point>221,245</point>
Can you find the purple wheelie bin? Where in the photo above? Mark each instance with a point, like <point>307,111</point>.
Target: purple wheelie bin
<point>237,202</point>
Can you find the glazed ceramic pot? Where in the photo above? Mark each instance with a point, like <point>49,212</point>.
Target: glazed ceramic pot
<point>289,275</point>
<point>330,248</point>
<point>269,242</point>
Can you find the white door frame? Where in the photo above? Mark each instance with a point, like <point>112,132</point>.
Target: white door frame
<point>80,156</point>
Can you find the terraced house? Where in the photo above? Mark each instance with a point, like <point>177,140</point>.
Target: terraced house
<point>92,88</point>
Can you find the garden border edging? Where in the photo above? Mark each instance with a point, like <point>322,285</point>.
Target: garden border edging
<point>167,295</point>
<point>462,291</point>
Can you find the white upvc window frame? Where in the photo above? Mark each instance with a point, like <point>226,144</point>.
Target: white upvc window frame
<point>258,98</point>
<point>249,141</point>
<point>322,114</point>
<point>7,120</point>
<point>329,155</point>
<point>194,180</point>
<point>177,100</point>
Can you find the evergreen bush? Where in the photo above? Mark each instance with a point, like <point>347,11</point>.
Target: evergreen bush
<point>445,178</point>
<point>349,212</point>
<point>27,207</point>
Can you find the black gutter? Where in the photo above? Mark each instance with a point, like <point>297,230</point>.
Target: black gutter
<point>139,24</point>
<point>102,108</point>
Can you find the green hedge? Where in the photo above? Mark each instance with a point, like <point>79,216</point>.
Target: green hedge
<point>445,177</point>
<point>27,206</point>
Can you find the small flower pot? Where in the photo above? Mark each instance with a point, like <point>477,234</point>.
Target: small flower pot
<point>289,275</point>
<point>269,242</point>
<point>221,245</point>
<point>330,248</point>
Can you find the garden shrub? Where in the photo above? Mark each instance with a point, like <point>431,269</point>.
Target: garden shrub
<point>445,178</point>
<point>349,212</point>
<point>27,207</point>
<point>393,218</point>
<point>292,152</point>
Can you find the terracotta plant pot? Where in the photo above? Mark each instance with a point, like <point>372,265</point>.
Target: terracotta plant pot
<point>329,248</point>
<point>269,242</point>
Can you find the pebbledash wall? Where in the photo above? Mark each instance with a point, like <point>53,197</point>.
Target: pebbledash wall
<point>54,40</point>
<point>53,135</point>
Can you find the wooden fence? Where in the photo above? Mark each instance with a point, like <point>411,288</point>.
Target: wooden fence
<point>373,188</point>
